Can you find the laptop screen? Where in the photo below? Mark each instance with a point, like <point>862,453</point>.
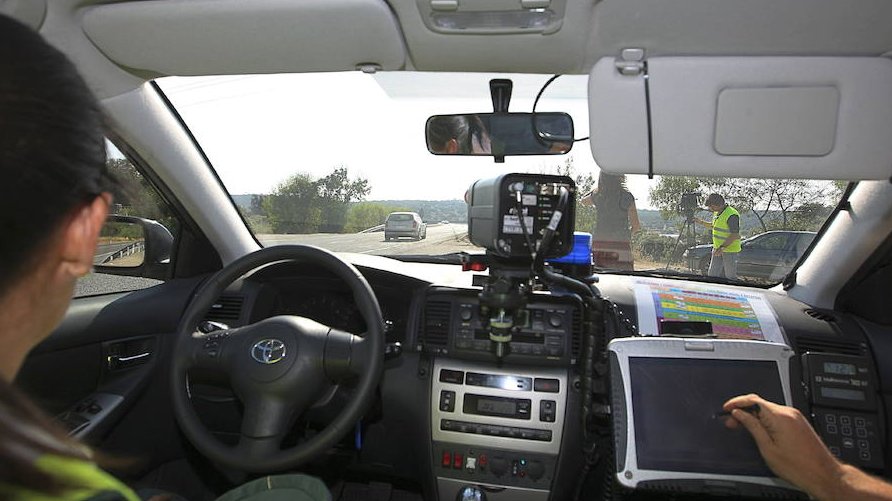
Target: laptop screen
<point>675,406</point>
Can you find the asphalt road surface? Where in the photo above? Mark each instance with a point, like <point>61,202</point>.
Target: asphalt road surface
<point>105,250</point>
<point>441,239</point>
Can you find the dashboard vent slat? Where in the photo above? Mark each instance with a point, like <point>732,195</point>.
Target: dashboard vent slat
<point>824,316</point>
<point>829,346</point>
<point>226,309</point>
<point>437,316</point>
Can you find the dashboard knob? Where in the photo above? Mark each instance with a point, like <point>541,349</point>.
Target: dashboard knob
<point>555,320</point>
<point>466,314</point>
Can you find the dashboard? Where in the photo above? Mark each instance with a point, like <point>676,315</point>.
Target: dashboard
<point>450,415</point>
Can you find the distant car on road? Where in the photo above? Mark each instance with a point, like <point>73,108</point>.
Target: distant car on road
<point>769,256</point>
<point>404,224</point>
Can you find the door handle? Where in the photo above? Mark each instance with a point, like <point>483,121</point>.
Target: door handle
<point>116,362</point>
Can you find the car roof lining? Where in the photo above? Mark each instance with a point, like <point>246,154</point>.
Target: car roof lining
<point>172,37</point>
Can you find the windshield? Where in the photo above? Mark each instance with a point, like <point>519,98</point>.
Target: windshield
<point>326,159</point>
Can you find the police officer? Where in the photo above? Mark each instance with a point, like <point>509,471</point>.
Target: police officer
<point>725,237</point>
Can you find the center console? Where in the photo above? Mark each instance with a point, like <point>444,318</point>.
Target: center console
<point>497,428</point>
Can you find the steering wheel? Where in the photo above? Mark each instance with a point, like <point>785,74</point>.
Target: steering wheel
<point>278,367</point>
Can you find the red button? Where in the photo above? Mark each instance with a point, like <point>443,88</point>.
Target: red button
<point>447,459</point>
<point>457,461</point>
<point>482,460</point>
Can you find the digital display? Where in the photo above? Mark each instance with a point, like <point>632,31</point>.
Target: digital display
<point>674,407</point>
<point>842,393</point>
<point>840,369</point>
<point>504,407</point>
<point>514,408</point>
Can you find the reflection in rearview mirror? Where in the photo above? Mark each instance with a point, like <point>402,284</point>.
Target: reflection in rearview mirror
<point>500,134</point>
<point>121,244</point>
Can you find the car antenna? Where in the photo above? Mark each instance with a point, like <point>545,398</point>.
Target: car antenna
<point>500,91</point>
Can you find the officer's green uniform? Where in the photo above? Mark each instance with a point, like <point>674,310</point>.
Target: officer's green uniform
<point>93,484</point>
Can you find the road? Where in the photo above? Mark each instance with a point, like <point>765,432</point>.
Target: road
<point>105,250</point>
<point>441,239</point>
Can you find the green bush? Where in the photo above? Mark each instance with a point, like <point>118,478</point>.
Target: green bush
<point>653,246</point>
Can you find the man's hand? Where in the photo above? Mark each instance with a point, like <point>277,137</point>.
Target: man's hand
<point>717,251</point>
<point>789,445</point>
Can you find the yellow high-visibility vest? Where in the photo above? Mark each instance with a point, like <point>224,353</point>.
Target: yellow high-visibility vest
<point>720,229</point>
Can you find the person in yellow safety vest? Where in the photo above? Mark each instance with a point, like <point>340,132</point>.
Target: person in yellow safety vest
<point>725,237</point>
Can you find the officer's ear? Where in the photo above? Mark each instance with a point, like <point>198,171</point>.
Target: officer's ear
<point>80,235</point>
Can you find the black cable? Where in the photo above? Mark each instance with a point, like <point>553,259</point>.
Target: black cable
<point>536,102</point>
<point>518,207</point>
<point>548,233</point>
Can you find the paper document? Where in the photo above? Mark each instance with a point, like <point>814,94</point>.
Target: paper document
<point>734,314</point>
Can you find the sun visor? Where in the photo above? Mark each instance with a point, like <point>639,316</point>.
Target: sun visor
<point>213,37</point>
<point>774,117</point>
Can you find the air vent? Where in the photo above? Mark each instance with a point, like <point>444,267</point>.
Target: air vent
<point>576,333</point>
<point>436,323</point>
<point>829,346</point>
<point>824,316</point>
<point>226,309</point>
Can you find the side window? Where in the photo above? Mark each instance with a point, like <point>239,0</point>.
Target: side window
<point>136,243</point>
<point>803,243</point>
<point>771,242</point>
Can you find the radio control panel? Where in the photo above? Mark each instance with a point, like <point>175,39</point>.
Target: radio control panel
<point>507,408</point>
<point>546,331</point>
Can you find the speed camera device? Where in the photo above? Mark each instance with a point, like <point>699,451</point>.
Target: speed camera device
<point>510,215</point>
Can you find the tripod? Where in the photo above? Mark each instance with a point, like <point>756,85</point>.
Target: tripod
<point>689,232</point>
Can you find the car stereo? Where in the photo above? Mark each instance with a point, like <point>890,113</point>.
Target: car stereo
<point>667,396</point>
<point>548,330</point>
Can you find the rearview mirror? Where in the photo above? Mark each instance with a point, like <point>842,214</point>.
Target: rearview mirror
<point>500,134</point>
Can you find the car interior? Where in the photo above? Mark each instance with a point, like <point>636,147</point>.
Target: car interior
<point>484,358</point>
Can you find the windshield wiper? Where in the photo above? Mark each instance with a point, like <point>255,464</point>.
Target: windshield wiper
<point>450,258</point>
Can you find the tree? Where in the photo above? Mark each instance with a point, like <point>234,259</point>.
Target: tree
<point>135,196</point>
<point>335,192</point>
<point>585,182</point>
<point>365,215</point>
<point>666,194</point>
<point>773,202</point>
<point>301,204</point>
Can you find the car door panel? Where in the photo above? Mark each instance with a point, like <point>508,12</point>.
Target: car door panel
<point>107,351</point>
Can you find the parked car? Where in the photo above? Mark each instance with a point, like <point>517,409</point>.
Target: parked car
<point>404,224</point>
<point>770,255</point>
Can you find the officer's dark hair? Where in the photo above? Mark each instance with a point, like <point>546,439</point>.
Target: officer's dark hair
<point>443,128</point>
<point>52,145</point>
<point>52,161</point>
<point>715,199</point>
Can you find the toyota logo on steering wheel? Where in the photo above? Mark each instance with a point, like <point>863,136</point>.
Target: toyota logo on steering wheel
<point>268,351</point>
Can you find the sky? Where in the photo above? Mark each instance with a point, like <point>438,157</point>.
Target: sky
<point>258,130</point>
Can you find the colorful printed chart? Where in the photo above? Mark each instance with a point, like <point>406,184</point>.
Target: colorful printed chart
<point>734,314</point>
